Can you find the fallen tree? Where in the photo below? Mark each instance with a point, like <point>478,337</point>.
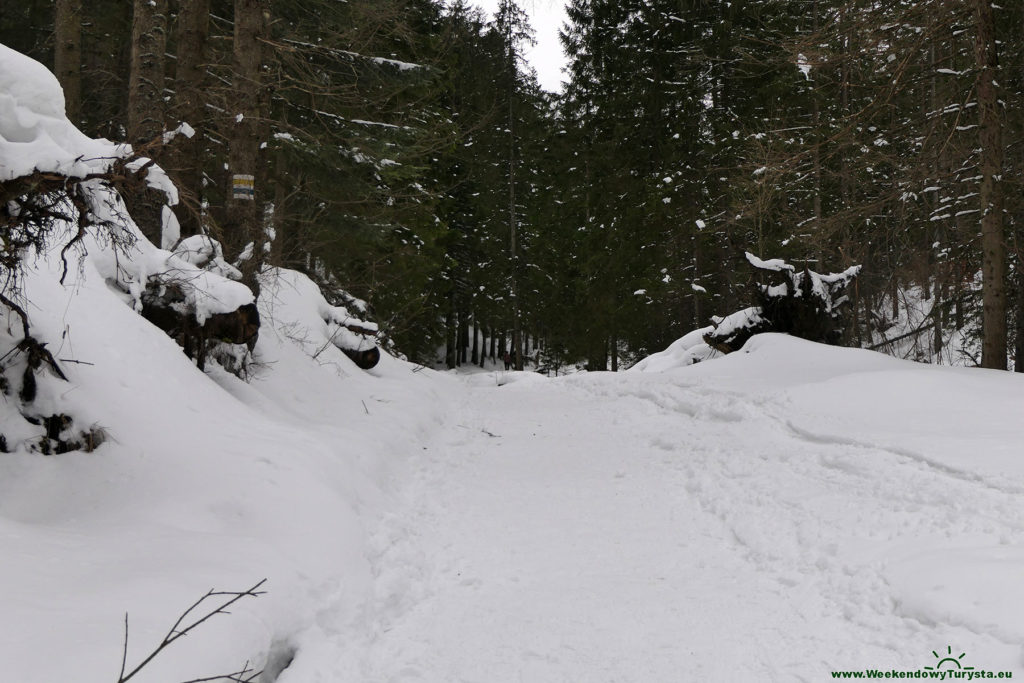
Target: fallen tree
<point>799,302</point>
<point>195,298</point>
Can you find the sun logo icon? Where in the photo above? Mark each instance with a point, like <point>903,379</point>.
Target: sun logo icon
<point>949,661</point>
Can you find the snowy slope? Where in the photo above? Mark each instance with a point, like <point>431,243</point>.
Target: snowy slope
<point>203,481</point>
<point>203,484</point>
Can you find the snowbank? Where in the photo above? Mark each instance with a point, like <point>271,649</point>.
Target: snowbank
<point>317,322</point>
<point>203,481</point>
<point>687,350</point>
<point>842,507</point>
<point>35,135</point>
<point>867,415</point>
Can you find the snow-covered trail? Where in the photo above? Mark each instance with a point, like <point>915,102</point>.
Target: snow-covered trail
<point>569,549</point>
<point>643,528</point>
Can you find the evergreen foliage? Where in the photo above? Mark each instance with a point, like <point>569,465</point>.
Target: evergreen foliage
<point>406,153</point>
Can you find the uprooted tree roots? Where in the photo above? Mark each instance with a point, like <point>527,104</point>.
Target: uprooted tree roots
<point>165,305</point>
<point>27,360</point>
<point>31,207</point>
<point>799,302</point>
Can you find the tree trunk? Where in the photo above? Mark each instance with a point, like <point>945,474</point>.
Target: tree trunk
<point>146,82</point>
<point>517,346</point>
<point>244,224</point>
<point>190,85</point>
<point>146,105</point>
<point>463,337</point>
<point>475,357</point>
<point>993,245</point>
<point>67,55</point>
<point>451,336</point>
<point>483,345</point>
<point>1018,365</point>
<point>820,238</point>
<point>698,316</point>
<point>895,294</point>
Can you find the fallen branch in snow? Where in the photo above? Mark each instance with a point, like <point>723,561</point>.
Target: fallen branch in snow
<point>927,325</point>
<point>178,631</point>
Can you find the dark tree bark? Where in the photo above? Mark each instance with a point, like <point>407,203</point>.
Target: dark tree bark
<point>1018,365</point>
<point>244,223</point>
<point>483,345</point>
<point>993,244</point>
<point>451,338</point>
<point>475,354</point>
<point>190,83</point>
<point>463,337</point>
<point>146,82</point>
<point>67,55</point>
<point>146,103</point>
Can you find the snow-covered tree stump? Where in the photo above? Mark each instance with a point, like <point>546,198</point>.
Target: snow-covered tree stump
<point>801,303</point>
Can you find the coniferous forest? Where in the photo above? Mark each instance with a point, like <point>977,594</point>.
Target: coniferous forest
<point>403,150</point>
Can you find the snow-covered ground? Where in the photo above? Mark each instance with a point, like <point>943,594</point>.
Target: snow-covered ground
<point>774,515</point>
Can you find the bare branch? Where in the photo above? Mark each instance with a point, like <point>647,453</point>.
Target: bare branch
<point>177,631</point>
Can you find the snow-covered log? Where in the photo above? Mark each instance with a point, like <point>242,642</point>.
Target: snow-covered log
<point>192,295</point>
<point>732,331</point>
<point>323,327</point>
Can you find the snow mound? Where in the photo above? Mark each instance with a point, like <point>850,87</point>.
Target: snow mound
<point>683,352</point>
<point>205,252</point>
<point>206,291</point>
<point>776,360</point>
<point>205,481</point>
<point>732,323</point>
<point>520,379</point>
<point>35,135</point>
<point>312,321</point>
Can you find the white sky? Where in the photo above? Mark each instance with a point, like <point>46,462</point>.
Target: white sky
<point>547,17</point>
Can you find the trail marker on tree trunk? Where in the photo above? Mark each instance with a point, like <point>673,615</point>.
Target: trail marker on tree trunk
<point>243,187</point>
